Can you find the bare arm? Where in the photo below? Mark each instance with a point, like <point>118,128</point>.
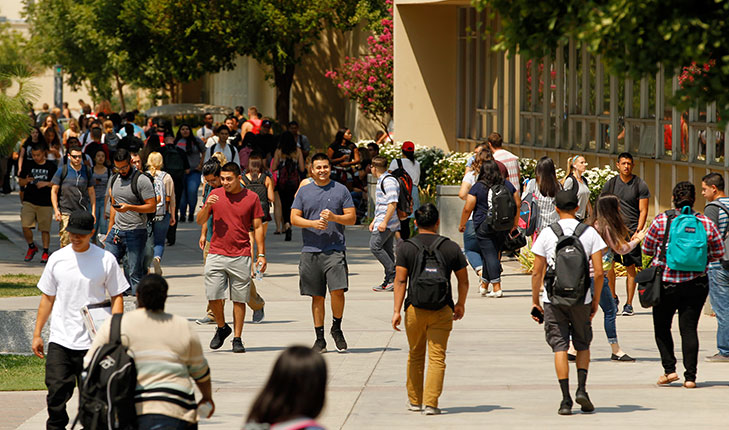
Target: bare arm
<point>117,304</point>
<point>467,210</point>
<point>44,311</point>
<point>517,200</point>
<point>276,159</point>
<point>401,282</point>
<point>54,201</point>
<point>540,267</point>
<point>463,192</point>
<point>597,266</point>
<point>643,206</point>
<point>260,243</point>
<point>298,220</point>
<point>269,190</point>
<point>349,217</point>
<point>300,160</point>
<point>92,199</point>
<point>460,308</point>
<point>202,217</point>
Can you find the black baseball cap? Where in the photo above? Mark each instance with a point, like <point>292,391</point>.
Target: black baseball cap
<point>266,123</point>
<point>566,200</point>
<point>80,222</point>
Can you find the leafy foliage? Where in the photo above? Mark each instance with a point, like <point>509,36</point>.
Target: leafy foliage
<point>14,120</point>
<point>633,37</point>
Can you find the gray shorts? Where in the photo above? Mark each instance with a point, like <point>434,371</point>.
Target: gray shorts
<point>223,272</point>
<point>562,323</point>
<point>319,270</point>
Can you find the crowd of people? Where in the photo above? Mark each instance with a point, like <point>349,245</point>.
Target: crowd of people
<point>126,187</point>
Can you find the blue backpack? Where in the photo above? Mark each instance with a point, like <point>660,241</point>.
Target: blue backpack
<point>687,245</point>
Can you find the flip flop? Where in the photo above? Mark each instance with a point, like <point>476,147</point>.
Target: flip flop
<point>667,379</point>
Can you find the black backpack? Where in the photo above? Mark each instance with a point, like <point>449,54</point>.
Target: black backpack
<point>135,188</point>
<point>430,283</point>
<point>174,161</point>
<point>405,197</point>
<point>502,208</point>
<point>107,391</point>
<point>569,280</point>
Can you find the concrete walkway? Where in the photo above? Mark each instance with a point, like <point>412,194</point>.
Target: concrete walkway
<point>499,369</point>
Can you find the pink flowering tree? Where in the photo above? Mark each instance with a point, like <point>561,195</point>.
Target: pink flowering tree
<point>368,80</point>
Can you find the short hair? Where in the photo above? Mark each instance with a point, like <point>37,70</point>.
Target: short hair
<point>232,118</point>
<point>206,114</point>
<point>221,128</point>
<point>239,109</point>
<point>496,140</point>
<point>231,167</point>
<point>129,116</point>
<point>37,146</point>
<point>152,292</point>
<point>625,155</point>
<point>122,154</point>
<point>426,215</point>
<point>293,123</point>
<point>373,145</point>
<point>211,167</point>
<point>76,147</point>
<point>684,194</point>
<point>714,179</point>
<point>320,156</point>
<point>379,162</point>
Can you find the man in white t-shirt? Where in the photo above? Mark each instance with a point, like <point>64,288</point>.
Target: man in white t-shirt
<point>76,276</point>
<point>563,323</point>
<point>411,165</point>
<point>206,131</point>
<point>508,159</point>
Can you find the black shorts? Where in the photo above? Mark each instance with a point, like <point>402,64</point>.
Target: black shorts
<point>633,258</point>
<point>562,323</point>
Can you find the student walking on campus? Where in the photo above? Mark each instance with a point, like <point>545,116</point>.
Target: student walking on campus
<point>424,267</point>
<point>76,276</point>
<point>37,209</point>
<point>509,160</point>
<point>235,211</point>
<point>633,193</point>
<point>386,222</point>
<point>543,188</point>
<point>72,190</point>
<point>164,214</point>
<point>321,210</point>
<point>132,198</point>
<point>564,252</point>
<point>412,167</point>
<point>712,188</point>
<point>168,357</point>
<point>574,180</point>
<point>489,199</point>
<point>695,243</point>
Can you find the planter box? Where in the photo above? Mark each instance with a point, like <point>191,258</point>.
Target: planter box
<point>450,208</point>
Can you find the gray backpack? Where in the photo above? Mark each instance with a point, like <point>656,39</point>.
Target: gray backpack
<point>725,235</point>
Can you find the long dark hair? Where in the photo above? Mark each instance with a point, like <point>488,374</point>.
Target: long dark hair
<point>610,223</point>
<point>547,177</point>
<point>339,137</point>
<point>41,138</point>
<point>490,173</point>
<point>287,144</point>
<point>296,388</point>
<point>249,140</point>
<point>190,142</point>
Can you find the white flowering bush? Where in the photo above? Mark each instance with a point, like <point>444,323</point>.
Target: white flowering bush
<point>597,178</point>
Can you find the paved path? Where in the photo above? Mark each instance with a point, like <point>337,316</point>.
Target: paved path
<point>499,374</point>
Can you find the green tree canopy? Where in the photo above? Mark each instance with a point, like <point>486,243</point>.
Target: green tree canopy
<point>633,36</point>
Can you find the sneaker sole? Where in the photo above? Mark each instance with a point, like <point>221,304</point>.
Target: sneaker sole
<point>585,404</point>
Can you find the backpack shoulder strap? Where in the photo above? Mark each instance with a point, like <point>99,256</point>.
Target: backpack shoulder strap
<point>670,215</point>
<point>721,207</point>
<point>246,181</point>
<point>612,181</point>
<point>115,333</point>
<point>435,245</point>
<point>557,229</point>
<point>399,163</point>
<point>581,228</point>
<point>64,173</point>
<point>135,185</point>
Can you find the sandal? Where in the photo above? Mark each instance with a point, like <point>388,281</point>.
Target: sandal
<point>689,384</point>
<point>667,378</point>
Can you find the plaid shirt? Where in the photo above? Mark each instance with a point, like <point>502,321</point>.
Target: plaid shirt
<point>654,238</point>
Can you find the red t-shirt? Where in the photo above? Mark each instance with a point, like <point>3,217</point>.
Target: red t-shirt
<point>233,216</point>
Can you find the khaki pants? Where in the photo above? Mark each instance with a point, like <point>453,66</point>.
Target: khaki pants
<point>255,302</point>
<point>432,328</point>
<point>62,233</point>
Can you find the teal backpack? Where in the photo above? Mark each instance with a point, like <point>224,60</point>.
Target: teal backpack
<point>687,245</point>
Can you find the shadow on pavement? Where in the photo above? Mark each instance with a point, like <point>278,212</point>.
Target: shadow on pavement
<point>473,409</point>
<point>622,409</point>
<point>370,350</point>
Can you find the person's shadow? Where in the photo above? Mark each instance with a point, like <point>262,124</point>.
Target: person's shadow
<point>621,409</point>
<point>472,409</point>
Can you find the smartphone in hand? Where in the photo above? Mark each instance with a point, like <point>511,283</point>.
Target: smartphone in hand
<point>536,313</point>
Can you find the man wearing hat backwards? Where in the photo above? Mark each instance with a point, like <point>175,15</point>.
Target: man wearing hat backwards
<point>76,276</point>
<point>412,166</point>
<point>563,322</point>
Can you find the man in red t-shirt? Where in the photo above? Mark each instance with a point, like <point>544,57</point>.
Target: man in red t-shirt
<point>228,266</point>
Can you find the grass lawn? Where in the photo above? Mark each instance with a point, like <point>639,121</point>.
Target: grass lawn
<point>22,373</point>
<point>18,284</point>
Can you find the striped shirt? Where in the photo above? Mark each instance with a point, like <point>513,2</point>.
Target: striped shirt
<point>168,356</point>
<point>721,219</point>
<point>383,199</point>
<point>547,211</point>
<point>654,238</point>
<point>511,162</point>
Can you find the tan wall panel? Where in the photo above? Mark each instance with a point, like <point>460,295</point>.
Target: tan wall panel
<point>425,74</point>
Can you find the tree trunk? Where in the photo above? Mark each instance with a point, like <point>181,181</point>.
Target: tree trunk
<point>119,86</point>
<point>284,80</point>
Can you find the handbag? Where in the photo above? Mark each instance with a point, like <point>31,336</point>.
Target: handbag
<point>650,280</point>
<point>514,241</point>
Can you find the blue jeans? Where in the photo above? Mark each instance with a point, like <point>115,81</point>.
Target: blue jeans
<point>719,294</point>
<point>609,310</point>
<point>189,194</point>
<point>489,246</point>
<point>471,248</point>
<point>130,243</point>
<point>101,224</point>
<point>382,249</point>
<point>163,422</point>
<point>159,235</point>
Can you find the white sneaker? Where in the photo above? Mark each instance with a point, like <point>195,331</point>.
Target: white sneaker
<point>496,294</point>
<point>157,265</point>
<point>482,290</point>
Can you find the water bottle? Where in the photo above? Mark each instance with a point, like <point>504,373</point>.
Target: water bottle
<point>203,411</point>
<point>259,275</point>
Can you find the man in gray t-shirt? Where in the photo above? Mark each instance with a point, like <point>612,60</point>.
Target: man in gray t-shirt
<point>127,234</point>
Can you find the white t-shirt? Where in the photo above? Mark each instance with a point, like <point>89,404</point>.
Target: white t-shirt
<point>412,167</point>
<point>78,279</point>
<point>547,242</point>
<point>470,178</point>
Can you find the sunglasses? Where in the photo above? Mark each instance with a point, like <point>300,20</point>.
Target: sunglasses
<point>75,157</point>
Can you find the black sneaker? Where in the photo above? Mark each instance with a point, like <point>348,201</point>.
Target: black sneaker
<point>339,341</point>
<point>583,399</point>
<point>288,235</point>
<point>320,346</point>
<point>220,334</point>
<point>628,311</point>
<point>238,345</point>
<point>565,408</point>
